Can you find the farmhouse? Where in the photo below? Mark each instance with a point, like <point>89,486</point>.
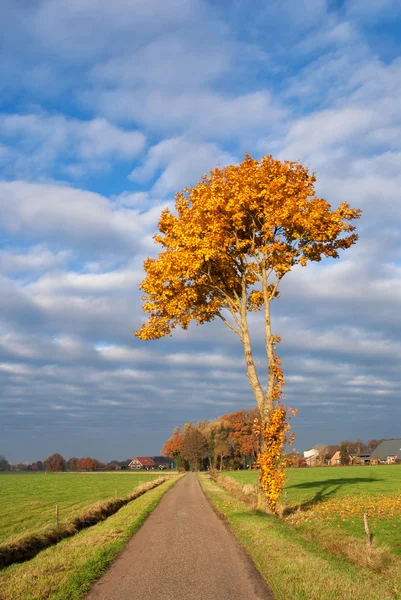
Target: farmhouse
<point>332,456</point>
<point>142,462</point>
<point>311,457</point>
<point>388,452</point>
<point>162,462</point>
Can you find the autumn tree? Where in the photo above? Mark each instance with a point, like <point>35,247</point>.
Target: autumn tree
<point>373,444</point>
<point>241,433</point>
<point>212,431</point>
<point>344,455</point>
<point>321,450</point>
<point>112,466</point>
<point>55,462</point>
<point>225,250</point>
<point>72,463</point>
<point>194,448</point>
<point>222,450</point>
<point>173,448</point>
<point>221,442</point>
<point>88,464</point>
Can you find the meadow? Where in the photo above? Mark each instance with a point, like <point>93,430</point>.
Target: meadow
<point>301,564</point>
<point>28,500</point>
<point>67,570</point>
<point>325,499</point>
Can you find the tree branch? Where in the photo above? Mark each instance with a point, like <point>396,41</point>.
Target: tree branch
<point>226,322</point>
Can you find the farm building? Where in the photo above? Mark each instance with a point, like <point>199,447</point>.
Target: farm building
<point>162,462</point>
<point>142,462</point>
<point>360,459</point>
<point>311,457</point>
<point>388,452</point>
<point>332,456</point>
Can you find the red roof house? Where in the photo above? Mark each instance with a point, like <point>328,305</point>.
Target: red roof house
<point>142,462</point>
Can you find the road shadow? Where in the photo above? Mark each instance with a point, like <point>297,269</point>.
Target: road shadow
<point>325,490</point>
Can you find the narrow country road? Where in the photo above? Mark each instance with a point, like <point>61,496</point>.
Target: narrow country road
<point>183,551</point>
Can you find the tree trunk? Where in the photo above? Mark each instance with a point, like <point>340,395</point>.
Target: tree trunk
<point>251,369</point>
<point>270,362</point>
<point>263,401</point>
<point>268,344</point>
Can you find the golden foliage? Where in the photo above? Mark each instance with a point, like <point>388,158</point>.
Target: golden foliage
<point>237,222</point>
<point>274,433</point>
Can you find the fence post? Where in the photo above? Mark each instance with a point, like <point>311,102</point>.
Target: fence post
<point>367,530</point>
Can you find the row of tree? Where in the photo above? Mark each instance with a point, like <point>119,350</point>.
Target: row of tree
<point>230,442</point>
<point>226,442</point>
<point>56,462</point>
<point>358,447</point>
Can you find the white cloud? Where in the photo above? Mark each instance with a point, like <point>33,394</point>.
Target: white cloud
<point>36,259</point>
<point>38,143</point>
<point>168,62</point>
<point>76,217</point>
<point>325,130</point>
<point>181,163</point>
<point>60,283</point>
<point>204,114</point>
<point>100,138</point>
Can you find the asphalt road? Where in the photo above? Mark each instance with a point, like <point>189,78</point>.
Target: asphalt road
<point>183,551</point>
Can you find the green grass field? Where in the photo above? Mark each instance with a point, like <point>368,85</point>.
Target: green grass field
<point>335,498</point>
<point>28,500</point>
<point>68,570</point>
<point>305,567</point>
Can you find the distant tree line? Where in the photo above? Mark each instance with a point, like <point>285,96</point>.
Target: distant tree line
<point>351,450</point>
<point>228,442</point>
<point>358,447</point>
<point>57,463</point>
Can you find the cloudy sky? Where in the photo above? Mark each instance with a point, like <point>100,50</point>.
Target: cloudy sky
<point>107,109</point>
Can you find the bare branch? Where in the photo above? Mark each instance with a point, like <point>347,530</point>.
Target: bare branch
<point>226,322</point>
<point>275,287</point>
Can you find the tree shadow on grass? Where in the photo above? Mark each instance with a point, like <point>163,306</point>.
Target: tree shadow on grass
<point>326,490</point>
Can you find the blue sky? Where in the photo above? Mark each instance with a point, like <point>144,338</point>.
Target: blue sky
<point>108,109</point>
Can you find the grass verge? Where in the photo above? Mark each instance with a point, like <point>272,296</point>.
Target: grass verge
<point>68,570</point>
<point>295,567</point>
